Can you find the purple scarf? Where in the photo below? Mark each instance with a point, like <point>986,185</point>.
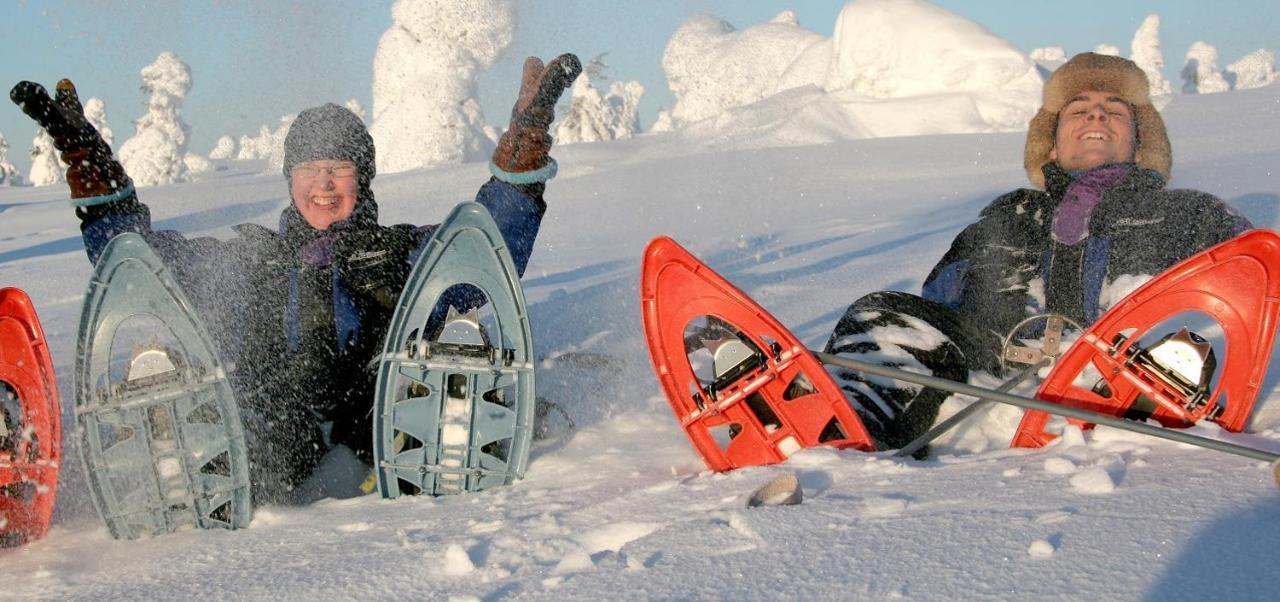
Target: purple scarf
<point>1071,219</point>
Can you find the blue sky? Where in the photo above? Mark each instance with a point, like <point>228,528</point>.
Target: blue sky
<point>255,61</point>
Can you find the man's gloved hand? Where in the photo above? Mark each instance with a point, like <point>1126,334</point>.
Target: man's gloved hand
<point>521,156</point>
<point>91,170</point>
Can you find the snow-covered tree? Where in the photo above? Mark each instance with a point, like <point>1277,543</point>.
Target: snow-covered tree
<point>353,105</point>
<point>592,117</point>
<point>268,144</point>
<point>197,164</point>
<point>1200,73</point>
<point>47,167</point>
<point>95,112</point>
<point>155,155</point>
<point>1107,49</point>
<point>712,67</point>
<point>1049,54</point>
<point>1145,51</point>
<point>224,148</point>
<point>663,122</point>
<point>426,109</point>
<point>1253,70</point>
<point>9,175</point>
<point>1048,59</point>
<point>882,51</point>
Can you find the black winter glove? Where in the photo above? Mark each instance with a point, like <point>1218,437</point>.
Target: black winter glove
<point>91,170</point>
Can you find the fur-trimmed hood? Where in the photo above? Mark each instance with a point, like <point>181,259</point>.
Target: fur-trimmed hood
<point>1104,73</point>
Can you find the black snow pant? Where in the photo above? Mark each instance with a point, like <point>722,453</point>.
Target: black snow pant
<point>909,332</point>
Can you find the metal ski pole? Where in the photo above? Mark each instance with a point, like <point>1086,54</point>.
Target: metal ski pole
<point>1051,408</point>
<point>968,411</point>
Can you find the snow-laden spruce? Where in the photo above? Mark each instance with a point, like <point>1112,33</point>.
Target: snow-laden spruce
<point>268,144</point>
<point>595,117</point>
<point>224,148</point>
<point>1049,58</point>
<point>9,174</point>
<point>1200,73</point>
<point>354,106</point>
<point>1145,51</point>
<point>1107,49</point>
<point>95,112</point>
<point>47,167</point>
<point>891,68</point>
<point>1253,70</point>
<point>155,154</point>
<point>711,66</point>
<point>426,109</point>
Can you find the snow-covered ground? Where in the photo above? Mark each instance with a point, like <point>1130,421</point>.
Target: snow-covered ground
<point>622,508</point>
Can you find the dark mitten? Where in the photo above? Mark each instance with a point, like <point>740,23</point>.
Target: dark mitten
<point>522,153</point>
<point>92,172</point>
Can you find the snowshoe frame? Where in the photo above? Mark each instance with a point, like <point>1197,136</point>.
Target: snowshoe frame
<point>773,417</point>
<point>450,418</point>
<point>32,436</point>
<point>168,453</point>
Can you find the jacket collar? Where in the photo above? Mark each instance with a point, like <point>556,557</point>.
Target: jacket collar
<point>1057,180</point>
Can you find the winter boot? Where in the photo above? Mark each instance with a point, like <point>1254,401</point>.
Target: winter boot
<point>905,331</point>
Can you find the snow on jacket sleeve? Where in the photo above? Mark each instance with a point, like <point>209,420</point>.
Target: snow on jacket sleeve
<point>985,273</point>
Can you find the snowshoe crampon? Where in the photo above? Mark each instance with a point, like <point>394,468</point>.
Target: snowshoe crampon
<point>744,389</point>
<point>455,405</point>
<point>159,428</point>
<point>31,434</point>
<point>1140,361</point>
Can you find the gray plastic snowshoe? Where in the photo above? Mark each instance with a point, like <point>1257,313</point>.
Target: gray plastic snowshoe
<point>455,407</point>
<point>158,425</point>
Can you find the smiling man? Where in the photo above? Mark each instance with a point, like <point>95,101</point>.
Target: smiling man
<point>1099,223</point>
<point>301,310</point>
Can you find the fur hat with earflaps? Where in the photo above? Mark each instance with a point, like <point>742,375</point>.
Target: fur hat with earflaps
<point>1103,73</point>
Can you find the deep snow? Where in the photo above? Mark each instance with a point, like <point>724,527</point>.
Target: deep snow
<point>622,507</point>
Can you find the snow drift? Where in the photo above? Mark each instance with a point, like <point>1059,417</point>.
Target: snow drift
<point>891,68</point>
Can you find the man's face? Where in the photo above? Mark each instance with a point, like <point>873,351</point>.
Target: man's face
<point>1094,128</point>
<point>324,192</point>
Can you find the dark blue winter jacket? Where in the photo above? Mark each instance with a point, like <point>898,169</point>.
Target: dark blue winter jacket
<point>1011,263</point>
<point>300,313</point>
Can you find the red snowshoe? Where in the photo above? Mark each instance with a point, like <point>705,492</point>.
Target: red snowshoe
<point>31,436</point>
<point>744,389</point>
<point>1117,369</point>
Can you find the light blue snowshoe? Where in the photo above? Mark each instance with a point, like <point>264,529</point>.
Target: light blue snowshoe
<point>455,406</point>
<point>158,425</point>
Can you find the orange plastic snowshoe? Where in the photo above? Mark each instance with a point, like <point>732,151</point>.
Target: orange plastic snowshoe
<point>756,395</point>
<point>31,438</point>
<point>1108,370</point>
